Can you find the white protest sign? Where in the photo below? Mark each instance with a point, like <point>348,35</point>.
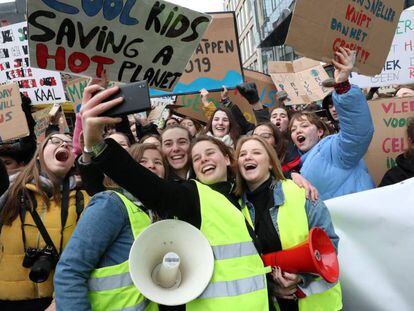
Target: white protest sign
<point>42,86</point>
<point>376,231</point>
<point>132,40</point>
<point>399,66</point>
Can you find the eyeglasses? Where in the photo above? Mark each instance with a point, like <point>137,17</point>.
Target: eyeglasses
<point>59,141</point>
<point>265,135</point>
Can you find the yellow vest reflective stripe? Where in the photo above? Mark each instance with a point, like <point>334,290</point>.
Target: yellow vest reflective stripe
<point>111,288</point>
<point>293,228</point>
<point>234,250</point>
<point>239,281</point>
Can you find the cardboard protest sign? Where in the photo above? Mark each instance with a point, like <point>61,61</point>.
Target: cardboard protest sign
<point>215,62</point>
<point>42,86</point>
<point>132,40</point>
<point>74,89</point>
<point>13,122</point>
<point>42,122</point>
<point>320,27</point>
<point>390,122</point>
<point>192,105</point>
<point>301,79</point>
<point>399,66</point>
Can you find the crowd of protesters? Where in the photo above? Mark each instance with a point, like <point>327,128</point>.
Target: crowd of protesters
<point>259,184</point>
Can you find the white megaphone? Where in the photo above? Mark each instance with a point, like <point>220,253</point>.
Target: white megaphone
<point>171,262</point>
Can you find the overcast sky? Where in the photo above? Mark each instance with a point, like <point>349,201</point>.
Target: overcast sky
<point>198,5</point>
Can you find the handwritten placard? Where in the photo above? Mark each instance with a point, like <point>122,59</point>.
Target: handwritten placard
<point>74,90</point>
<point>390,121</point>
<point>215,62</point>
<point>41,118</point>
<point>399,66</point>
<point>301,79</point>
<point>160,111</point>
<point>192,105</point>
<point>131,40</point>
<point>42,86</point>
<point>320,27</point>
<point>13,122</point>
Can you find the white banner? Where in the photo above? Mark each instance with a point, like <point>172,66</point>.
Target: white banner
<point>376,230</point>
<point>42,86</point>
<point>399,66</point>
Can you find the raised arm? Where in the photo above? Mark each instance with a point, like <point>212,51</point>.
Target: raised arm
<point>179,199</point>
<point>357,128</point>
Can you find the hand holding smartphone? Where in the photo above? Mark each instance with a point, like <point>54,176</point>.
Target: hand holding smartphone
<point>136,99</point>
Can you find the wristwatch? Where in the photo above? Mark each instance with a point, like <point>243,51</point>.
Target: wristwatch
<point>95,150</point>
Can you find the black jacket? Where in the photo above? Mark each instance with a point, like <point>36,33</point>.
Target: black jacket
<point>404,170</point>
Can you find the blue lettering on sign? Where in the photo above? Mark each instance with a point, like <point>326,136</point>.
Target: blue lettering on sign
<point>111,9</point>
<point>61,7</point>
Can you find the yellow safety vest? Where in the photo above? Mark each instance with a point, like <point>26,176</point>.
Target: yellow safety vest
<point>239,278</point>
<point>293,225</point>
<point>111,288</point>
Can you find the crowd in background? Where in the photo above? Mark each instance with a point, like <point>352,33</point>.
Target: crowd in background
<point>263,184</point>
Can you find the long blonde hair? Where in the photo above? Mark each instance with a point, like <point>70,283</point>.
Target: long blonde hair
<point>276,170</point>
<point>31,174</point>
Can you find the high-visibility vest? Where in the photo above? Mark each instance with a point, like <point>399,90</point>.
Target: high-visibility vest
<point>293,225</point>
<point>239,278</point>
<point>111,288</point>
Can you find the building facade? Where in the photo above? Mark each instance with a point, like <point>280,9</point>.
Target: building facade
<point>250,54</point>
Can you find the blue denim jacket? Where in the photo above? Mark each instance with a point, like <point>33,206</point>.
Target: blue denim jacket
<point>102,237</point>
<point>335,166</point>
<point>316,211</point>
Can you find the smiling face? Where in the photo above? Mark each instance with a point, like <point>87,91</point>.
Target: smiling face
<point>279,117</point>
<point>58,156</point>
<point>305,134</point>
<point>209,163</point>
<point>220,125</point>
<point>152,160</point>
<point>254,164</point>
<point>175,147</point>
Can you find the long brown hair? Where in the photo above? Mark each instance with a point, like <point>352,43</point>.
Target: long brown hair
<point>30,175</point>
<point>234,130</point>
<point>137,151</point>
<point>276,170</point>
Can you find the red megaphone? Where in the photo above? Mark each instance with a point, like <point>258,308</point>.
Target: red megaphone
<point>317,255</point>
